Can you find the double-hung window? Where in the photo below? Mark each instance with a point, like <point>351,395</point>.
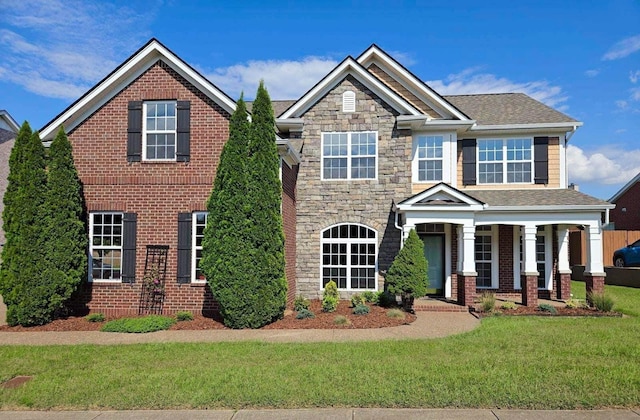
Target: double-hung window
<point>351,155</point>
<point>430,157</point>
<point>105,246</point>
<point>159,130</point>
<point>199,221</point>
<point>505,161</point>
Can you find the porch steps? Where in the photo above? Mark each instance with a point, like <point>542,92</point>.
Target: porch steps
<point>437,305</point>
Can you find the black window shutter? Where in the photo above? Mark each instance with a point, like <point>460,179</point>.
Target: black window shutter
<point>129,222</point>
<point>541,160</point>
<point>183,128</point>
<point>468,162</point>
<point>134,132</point>
<point>184,247</point>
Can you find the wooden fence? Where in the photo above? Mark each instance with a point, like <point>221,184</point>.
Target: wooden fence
<point>611,240</point>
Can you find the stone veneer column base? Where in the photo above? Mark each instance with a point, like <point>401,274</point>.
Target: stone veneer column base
<point>563,287</point>
<point>594,283</point>
<point>466,290</point>
<point>529,289</point>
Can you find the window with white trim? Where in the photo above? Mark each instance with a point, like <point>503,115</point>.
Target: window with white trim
<point>199,221</point>
<point>497,157</point>
<point>349,155</point>
<point>429,154</point>
<point>159,130</point>
<point>349,253</point>
<point>484,256</point>
<point>105,246</point>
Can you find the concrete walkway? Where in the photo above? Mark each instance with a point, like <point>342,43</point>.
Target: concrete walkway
<point>427,325</point>
<point>328,414</point>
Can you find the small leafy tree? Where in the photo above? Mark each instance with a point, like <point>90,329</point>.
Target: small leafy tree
<point>407,275</point>
<point>22,280</point>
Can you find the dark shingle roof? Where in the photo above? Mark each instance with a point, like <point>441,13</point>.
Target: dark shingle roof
<point>506,108</point>
<point>534,198</point>
<point>6,135</point>
<point>279,106</point>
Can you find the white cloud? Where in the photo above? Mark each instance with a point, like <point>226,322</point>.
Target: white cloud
<point>621,130</point>
<point>59,48</point>
<point>635,94</point>
<point>615,165</point>
<point>284,79</point>
<point>634,76</point>
<point>471,81</point>
<point>592,73</point>
<point>622,104</point>
<point>623,48</point>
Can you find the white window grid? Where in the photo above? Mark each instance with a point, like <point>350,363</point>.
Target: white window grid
<point>349,155</point>
<point>430,158</point>
<point>349,257</point>
<point>199,223</point>
<point>513,157</point>
<point>159,130</point>
<point>105,246</point>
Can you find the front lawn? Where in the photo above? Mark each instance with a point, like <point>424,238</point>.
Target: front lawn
<point>509,362</point>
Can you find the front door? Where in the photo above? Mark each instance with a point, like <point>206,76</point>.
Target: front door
<point>434,252</point>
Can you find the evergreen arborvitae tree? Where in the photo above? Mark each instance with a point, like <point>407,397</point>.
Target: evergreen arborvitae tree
<point>23,263</point>
<point>65,238</point>
<point>408,275</point>
<point>226,252</point>
<point>267,295</point>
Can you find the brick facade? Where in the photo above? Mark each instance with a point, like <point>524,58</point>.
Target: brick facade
<point>629,219</point>
<point>355,201</point>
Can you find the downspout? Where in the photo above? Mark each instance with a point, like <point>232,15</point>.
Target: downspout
<point>395,211</point>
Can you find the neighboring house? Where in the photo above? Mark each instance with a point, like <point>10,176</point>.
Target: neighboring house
<point>369,153</point>
<point>626,215</point>
<point>8,131</point>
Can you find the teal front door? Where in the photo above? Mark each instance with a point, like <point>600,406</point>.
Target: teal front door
<point>434,252</point>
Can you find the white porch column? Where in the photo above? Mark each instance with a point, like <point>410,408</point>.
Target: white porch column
<point>468,250</point>
<point>563,250</point>
<point>405,233</point>
<point>529,250</point>
<point>460,248</point>
<point>595,265</point>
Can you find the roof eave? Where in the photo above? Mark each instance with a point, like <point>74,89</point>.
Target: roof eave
<point>287,152</point>
<point>424,122</point>
<point>555,208</point>
<point>561,127</point>
<point>290,125</point>
<point>10,121</point>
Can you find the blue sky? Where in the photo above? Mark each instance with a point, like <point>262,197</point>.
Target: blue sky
<point>581,57</point>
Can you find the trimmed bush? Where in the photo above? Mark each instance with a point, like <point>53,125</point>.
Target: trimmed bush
<point>407,275</point>
<point>146,324</point>
<point>545,307</point>
<point>95,317</point>
<point>487,301</point>
<point>301,303</point>
<point>329,304</point>
<point>357,299</point>
<point>386,299</point>
<point>361,309</point>
<point>304,314</point>
<point>184,316</point>
<point>370,297</point>
<point>601,302</point>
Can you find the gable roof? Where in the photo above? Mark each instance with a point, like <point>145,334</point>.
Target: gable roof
<point>9,122</point>
<point>624,189</point>
<point>122,76</point>
<point>349,66</point>
<point>279,106</point>
<point>507,108</point>
<point>441,195</point>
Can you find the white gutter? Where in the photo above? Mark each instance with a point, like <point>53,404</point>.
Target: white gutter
<point>568,126</point>
<point>287,152</point>
<point>425,122</point>
<point>550,209</point>
<point>287,125</point>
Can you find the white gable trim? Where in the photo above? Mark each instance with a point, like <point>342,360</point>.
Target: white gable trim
<point>412,83</point>
<point>624,189</point>
<point>438,192</point>
<point>348,67</point>
<point>11,123</point>
<point>125,74</point>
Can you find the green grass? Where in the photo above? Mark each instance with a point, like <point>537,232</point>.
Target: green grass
<point>626,299</point>
<point>509,362</point>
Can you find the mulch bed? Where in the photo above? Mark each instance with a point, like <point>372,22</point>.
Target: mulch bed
<point>376,318</point>
<point>534,311</point>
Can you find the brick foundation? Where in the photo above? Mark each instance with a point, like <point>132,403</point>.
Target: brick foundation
<point>466,290</point>
<point>529,290</point>
<point>594,284</point>
<point>564,286</point>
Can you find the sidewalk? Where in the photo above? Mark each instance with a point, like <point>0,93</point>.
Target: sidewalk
<point>328,414</point>
<point>427,325</point>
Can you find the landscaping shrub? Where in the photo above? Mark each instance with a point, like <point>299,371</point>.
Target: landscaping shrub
<point>396,314</point>
<point>357,299</point>
<point>330,297</point>
<point>146,324</point>
<point>341,320</point>
<point>361,309</point>
<point>305,313</point>
<point>95,317</point>
<point>573,303</point>
<point>184,316</point>
<point>601,302</point>
<point>407,275</point>
<point>370,297</point>
<point>508,305</point>
<point>301,303</point>
<point>329,304</point>
<point>386,299</point>
<point>545,307</point>
<point>487,301</point>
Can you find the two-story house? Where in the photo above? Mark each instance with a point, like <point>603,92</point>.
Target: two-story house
<point>368,153</point>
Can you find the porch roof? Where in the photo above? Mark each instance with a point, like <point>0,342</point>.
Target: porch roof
<point>536,198</point>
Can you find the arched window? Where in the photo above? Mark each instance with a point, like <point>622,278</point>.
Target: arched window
<point>349,255</point>
<point>349,101</point>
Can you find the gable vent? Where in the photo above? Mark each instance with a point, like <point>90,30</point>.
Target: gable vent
<point>349,101</point>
